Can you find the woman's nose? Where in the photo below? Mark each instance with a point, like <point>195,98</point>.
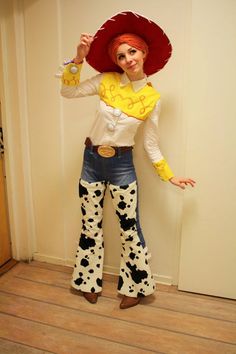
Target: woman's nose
<point>128,58</point>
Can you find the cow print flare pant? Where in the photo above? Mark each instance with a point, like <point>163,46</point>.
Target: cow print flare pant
<point>135,277</point>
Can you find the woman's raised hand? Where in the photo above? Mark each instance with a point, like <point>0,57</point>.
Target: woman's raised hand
<point>83,47</point>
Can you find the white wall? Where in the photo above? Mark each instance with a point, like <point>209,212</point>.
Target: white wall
<point>57,128</point>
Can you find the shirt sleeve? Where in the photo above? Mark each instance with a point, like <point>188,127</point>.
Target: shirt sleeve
<point>151,144</point>
<point>72,87</point>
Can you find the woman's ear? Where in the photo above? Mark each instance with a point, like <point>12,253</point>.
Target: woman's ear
<point>144,55</point>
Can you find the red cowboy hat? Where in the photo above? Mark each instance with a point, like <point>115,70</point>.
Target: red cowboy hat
<point>129,22</point>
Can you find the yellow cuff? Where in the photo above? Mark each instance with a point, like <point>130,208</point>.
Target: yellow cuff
<point>71,74</point>
<point>163,170</point>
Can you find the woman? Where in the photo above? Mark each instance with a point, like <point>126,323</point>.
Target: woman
<point>127,99</point>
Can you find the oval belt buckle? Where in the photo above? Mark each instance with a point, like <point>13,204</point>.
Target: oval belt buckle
<point>106,151</point>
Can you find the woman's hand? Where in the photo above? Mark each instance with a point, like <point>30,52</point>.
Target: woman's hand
<point>182,182</point>
<point>83,47</point>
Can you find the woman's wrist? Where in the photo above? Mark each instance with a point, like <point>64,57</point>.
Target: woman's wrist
<point>77,60</point>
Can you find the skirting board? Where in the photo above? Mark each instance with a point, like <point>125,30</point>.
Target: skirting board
<point>160,279</point>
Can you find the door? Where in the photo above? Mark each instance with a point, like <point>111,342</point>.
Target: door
<point>208,242</point>
<point>5,243</point>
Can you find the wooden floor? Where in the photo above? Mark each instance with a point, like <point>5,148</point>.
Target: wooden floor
<point>39,314</point>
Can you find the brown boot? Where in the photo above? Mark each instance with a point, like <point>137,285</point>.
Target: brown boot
<point>128,301</point>
<point>91,297</point>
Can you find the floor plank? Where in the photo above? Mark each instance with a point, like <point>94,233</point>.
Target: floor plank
<point>155,317</point>
<point>37,298</point>
<point>58,340</point>
<point>85,322</point>
<point>9,347</point>
<point>202,306</point>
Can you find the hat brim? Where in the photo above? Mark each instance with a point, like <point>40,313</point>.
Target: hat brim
<point>160,48</point>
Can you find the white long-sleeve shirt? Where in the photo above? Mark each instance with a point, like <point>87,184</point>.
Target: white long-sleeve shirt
<point>113,127</point>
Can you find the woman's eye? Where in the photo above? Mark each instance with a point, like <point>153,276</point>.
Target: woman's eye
<point>120,57</point>
<point>133,51</point>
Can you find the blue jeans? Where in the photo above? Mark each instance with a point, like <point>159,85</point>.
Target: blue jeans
<point>117,170</point>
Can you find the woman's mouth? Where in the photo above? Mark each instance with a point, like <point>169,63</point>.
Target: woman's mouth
<point>130,67</point>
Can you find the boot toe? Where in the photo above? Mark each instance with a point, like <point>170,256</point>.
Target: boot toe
<point>128,302</point>
<point>91,297</point>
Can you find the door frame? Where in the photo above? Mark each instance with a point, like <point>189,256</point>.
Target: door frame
<point>16,131</point>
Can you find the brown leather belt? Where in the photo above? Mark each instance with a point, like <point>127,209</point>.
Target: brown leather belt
<point>106,150</point>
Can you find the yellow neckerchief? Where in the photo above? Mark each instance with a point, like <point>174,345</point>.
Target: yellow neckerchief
<point>137,104</point>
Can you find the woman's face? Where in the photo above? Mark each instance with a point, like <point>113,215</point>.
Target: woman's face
<point>131,60</point>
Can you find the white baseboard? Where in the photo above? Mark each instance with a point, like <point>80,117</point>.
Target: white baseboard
<point>160,279</point>
<point>53,260</point>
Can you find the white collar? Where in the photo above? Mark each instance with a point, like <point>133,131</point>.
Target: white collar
<point>137,85</point>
